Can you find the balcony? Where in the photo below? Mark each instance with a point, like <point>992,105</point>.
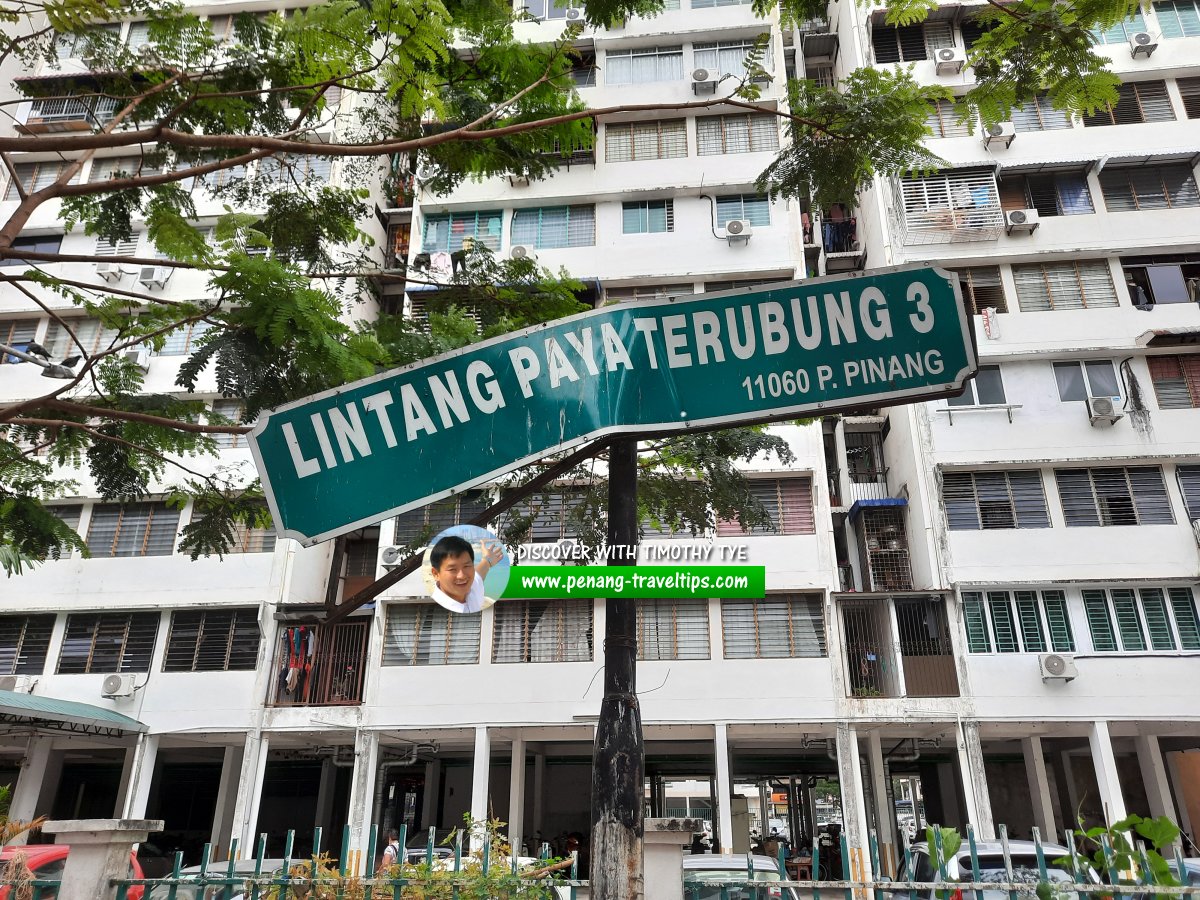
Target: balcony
<point>67,114</point>
<point>319,665</point>
<point>948,207</point>
<point>897,646</point>
<point>882,544</point>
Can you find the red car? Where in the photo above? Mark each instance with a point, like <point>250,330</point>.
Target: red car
<point>46,861</point>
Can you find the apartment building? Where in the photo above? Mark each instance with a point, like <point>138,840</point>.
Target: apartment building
<point>979,610</point>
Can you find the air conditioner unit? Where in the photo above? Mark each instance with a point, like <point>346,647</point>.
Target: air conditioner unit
<point>139,356</point>
<point>1142,44</point>
<point>1021,220</point>
<point>109,271</point>
<point>118,686</point>
<point>522,251</point>
<point>1104,409</point>
<point>738,230</point>
<point>154,276</point>
<point>18,684</point>
<point>949,61</point>
<point>426,174</point>
<point>1000,133</point>
<point>1057,667</point>
<point>704,81</point>
<point>574,15</point>
<point>518,180</point>
<point>391,556</point>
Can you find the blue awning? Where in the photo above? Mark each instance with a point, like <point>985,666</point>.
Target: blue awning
<point>860,505</point>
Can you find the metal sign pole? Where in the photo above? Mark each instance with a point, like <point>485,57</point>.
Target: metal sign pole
<point>618,759</point>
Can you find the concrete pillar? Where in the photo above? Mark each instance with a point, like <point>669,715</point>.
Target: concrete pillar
<point>1154,776</point>
<point>432,793</point>
<point>249,792</point>
<point>884,815</point>
<point>1179,782</point>
<point>539,790</point>
<point>99,852</point>
<point>325,789</point>
<point>480,775</point>
<point>362,786</point>
<point>1040,796</point>
<point>854,812</point>
<point>974,780</point>
<point>724,787</point>
<point>662,856</point>
<point>1107,778</point>
<point>144,755</point>
<point>30,783</point>
<point>231,767</point>
<point>516,794</point>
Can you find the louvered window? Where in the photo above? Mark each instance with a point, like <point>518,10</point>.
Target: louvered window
<point>109,167</point>
<point>289,168</point>
<point>985,389</point>
<point>233,411</point>
<point>1079,380</point>
<point>1149,618</point>
<point>643,65</point>
<point>756,133</point>
<point>219,178</point>
<point>630,141</point>
<point>542,631</point>
<point>1017,621</point>
<point>646,292</point>
<point>132,529</point>
<point>16,333</point>
<point>553,227</point>
<point>24,641</point>
<point>70,514</point>
<point>981,288</point>
<point>1189,90</point>
<point>1187,623</point>
<point>673,629</point>
<point>429,521</point>
<point>1140,101</point>
<point>788,502</point>
<point>1149,187</point>
<point>549,515</point>
<point>755,209</point>
<point>740,284</point>
<point>1068,285</point>
<point>1039,114</point>
<point>252,540</point>
<point>126,247</point>
<point>182,340</point>
<point>648,217</point>
<point>711,4</point>
<point>727,57</point>
<point>447,232</point>
<point>1189,485</point>
<point>50,243</point>
<point>1131,495</point>
<point>104,643</point>
<point>1178,18</point>
<point>212,640</point>
<point>943,120</point>
<point>779,626</point>
<point>1121,32</point>
<point>34,176</point>
<point>1056,194</point>
<point>949,207</point>
<point>72,46</point>
<point>1176,380</point>
<point>426,635</point>
<point>973,30</point>
<point>91,337</point>
<point>905,43</point>
<point>986,500</point>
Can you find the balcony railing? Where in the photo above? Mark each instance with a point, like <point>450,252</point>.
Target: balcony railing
<point>867,484</point>
<point>69,114</point>
<point>949,207</point>
<point>918,661</point>
<point>321,665</point>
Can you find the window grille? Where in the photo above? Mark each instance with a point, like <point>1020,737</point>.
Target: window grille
<point>981,288</point>
<point>647,292</point>
<point>1129,495</point>
<point>426,635</point>
<point>904,43</point>
<point>1140,101</point>
<point>752,207</point>
<point>542,631</point>
<point>92,335</point>
<point>754,133</point>
<point>1189,91</point>
<point>1178,18</point>
<point>1055,194</point>
<point>629,141</point>
<point>1149,187</point>
<point>1149,618</point>
<point>1082,284</point>
<point>212,640</point>
<point>104,643</point>
<point>728,57</point>
<point>943,120</point>
<point>182,340</point>
<point>1018,621</point>
<point>550,513</point>
<point>711,287</point>
<point>426,523</point>
<point>1039,114</point>
<point>648,217</point>
<point>643,65</point>
<point>24,642</point>
<point>986,500</point>
<point>447,232</point>
<point>234,411</point>
<point>1079,380</point>
<point>1176,380</point>
<point>16,333</point>
<point>132,529</point>
<point>362,554</point>
<point>673,629</point>
<point>949,207</point>
<point>788,502</point>
<point>1122,31</point>
<point>782,625</point>
<point>554,227</point>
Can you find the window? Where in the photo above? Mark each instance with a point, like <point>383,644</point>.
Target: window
<point>646,292</point>
<point>973,30</point>
<point>1149,187</point>
<point>542,631</point>
<point>132,529</point>
<point>985,389</point>
<point>753,133</point>
<point>183,340</point>
<point>252,540</point>
<point>212,640</point>
<point>427,635</point>
<point>1054,194</point>
<point>1121,32</point>
<point>905,43</point>
<point>672,629</point>
<point>1149,618</point>
<point>220,178</point>
<point>1039,114</point>
<point>1178,18</point>
<point>16,333</point>
<point>728,57</point>
<point>24,641</point>
<point>425,523</point>
<point>234,411</point>
<point>548,9</point>
<point>446,232</point>
<point>91,337</point>
<point>69,513</point>
<point>711,4</point>
<point>109,167</point>
<point>950,206</point>
<point>553,227</point>
<point>126,247</point>
<point>583,69</point>
<point>943,120</point>
<point>48,244</point>
<point>1029,621</point>
<point>1084,284</point>
<point>1141,101</point>
<point>1162,279</point>
<point>73,46</point>
<point>1176,381</point>
<point>788,502</point>
<point>1189,91</point>
<point>34,176</point>
<point>1130,495</point>
<point>740,284</point>
<point>986,500</point>
<point>648,217</point>
<point>788,625</point>
<point>643,65</point>
<point>743,206</point>
<point>105,643</point>
<point>549,515</point>
<point>285,167</point>
<point>627,141</point>
<point>1189,485</point>
<point>981,288</point>
<point>1080,380</point>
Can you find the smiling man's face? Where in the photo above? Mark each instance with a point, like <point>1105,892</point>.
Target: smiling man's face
<point>456,576</point>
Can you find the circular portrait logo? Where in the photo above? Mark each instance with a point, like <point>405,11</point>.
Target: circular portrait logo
<point>466,569</point>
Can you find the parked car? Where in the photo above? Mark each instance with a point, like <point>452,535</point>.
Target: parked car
<point>702,873</point>
<point>1191,869</point>
<point>242,868</point>
<point>47,861</point>
<point>1022,854</point>
<point>415,856</point>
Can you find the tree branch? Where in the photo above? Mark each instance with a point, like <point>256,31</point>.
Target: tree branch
<point>144,418</point>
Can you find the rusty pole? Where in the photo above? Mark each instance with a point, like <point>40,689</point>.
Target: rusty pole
<point>618,759</point>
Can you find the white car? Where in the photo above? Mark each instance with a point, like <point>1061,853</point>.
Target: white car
<point>704,872</point>
<point>1022,854</point>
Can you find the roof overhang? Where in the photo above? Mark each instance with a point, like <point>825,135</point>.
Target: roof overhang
<point>859,505</point>
<point>19,710</point>
<point>1181,335</point>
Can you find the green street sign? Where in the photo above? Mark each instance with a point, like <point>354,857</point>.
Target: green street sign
<point>369,450</point>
